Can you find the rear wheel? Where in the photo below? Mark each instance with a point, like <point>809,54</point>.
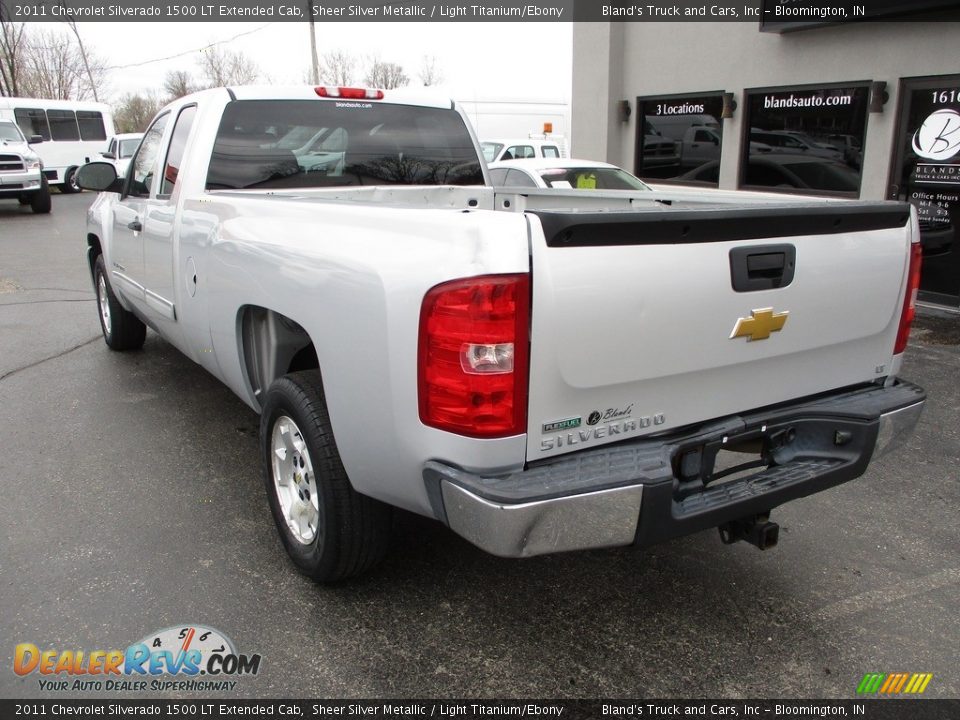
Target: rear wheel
<point>70,185</point>
<point>122,330</point>
<point>40,200</point>
<point>330,531</point>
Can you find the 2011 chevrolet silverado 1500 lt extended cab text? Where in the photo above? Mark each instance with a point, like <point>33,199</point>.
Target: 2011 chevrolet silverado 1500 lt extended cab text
<point>540,370</point>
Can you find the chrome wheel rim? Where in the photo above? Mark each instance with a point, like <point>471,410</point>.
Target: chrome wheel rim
<point>104,303</point>
<point>294,481</point>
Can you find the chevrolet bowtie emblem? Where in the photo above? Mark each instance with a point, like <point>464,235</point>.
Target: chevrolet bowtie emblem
<point>760,325</point>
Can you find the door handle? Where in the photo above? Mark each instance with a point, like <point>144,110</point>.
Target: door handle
<point>135,226</point>
<point>762,267</point>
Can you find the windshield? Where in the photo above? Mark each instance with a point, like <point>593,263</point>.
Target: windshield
<point>490,150</point>
<point>319,143</point>
<point>9,131</point>
<point>592,178</point>
<point>128,147</point>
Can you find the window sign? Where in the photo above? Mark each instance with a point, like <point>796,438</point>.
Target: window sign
<point>805,140</point>
<point>679,138</point>
<point>927,174</point>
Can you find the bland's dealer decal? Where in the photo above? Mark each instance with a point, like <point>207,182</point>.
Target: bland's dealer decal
<point>183,653</point>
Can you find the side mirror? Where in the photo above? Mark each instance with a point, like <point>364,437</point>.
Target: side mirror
<point>99,176</point>
<point>35,139</point>
<point>109,155</point>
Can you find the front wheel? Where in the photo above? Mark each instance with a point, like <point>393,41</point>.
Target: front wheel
<point>330,531</point>
<point>40,200</point>
<point>122,330</point>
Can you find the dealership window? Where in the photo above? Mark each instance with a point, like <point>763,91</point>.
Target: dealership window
<point>806,140</point>
<point>679,138</point>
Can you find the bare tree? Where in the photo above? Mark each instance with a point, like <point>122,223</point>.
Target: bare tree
<point>338,68</point>
<point>134,112</point>
<point>53,69</point>
<point>223,67</point>
<point>178,83</point>
<point>386,75</point>
<point>12,44</point>
<point>429,73</point>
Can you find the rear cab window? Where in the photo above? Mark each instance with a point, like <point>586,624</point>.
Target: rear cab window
<point>268,144</point>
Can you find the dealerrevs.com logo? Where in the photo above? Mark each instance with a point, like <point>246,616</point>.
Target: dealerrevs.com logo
<point>179,658</point>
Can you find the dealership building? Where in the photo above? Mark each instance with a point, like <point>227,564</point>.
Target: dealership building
<point>868,110</point>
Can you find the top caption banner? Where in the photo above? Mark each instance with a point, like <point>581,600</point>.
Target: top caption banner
<point>773,13</point>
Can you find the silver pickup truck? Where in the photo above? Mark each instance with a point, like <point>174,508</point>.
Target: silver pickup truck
<point>541,371</point>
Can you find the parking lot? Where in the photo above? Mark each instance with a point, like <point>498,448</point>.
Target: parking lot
<point>132,502</point>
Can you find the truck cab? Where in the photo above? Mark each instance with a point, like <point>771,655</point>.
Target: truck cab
<point>522,149</point>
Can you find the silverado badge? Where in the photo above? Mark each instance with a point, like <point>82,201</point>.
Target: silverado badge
<point>759,325</point>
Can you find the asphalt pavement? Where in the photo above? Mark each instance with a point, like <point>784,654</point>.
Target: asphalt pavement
<point>132,502</point>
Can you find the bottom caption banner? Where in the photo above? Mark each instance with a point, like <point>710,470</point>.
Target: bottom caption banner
<point>873,709</point>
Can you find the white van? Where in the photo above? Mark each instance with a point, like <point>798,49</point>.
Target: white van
<point>73,132</point>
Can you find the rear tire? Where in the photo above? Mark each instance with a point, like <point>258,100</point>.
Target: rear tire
<point>330,531</point>
<point>40,200</point>
<point>122,330</point>
<point>70,183</point>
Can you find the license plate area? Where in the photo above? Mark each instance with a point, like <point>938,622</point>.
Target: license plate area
<point>726,459</point>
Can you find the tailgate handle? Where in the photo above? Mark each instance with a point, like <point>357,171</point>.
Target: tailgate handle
<point>762,267</point>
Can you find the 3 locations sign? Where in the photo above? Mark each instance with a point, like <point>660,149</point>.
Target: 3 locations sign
<point>678,135</point>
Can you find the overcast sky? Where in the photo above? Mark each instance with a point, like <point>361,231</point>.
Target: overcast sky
<point>478,60</point>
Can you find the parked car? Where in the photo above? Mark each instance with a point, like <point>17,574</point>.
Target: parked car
<point>789,142</point>
<point>21,169</point>
<point>120,149</point>
<point>541,371</point>
<point>776,170</point>
<point>851,148</point>
<point>563,173</point>
<point>496,150</point>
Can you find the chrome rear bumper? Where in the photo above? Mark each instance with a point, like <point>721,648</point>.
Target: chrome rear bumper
<point>627,493</point>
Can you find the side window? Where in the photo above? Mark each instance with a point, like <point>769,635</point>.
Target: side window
<point>32,121</point>
<point>144,162</point>
<point>702,136</point>
<point>498,177</point>
<point>517,178</point>
<point>550,151</point>
<point>63,125</point>
<point>91,125</point>
<point>518,152</point>
<point>181,131</point>
<point>112,147</point>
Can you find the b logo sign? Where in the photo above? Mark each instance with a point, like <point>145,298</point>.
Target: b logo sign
<point>939,136</point>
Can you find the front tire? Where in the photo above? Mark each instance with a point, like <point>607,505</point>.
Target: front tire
<point>122,330</point>
<point>330,531</point>
<point>40,200</point>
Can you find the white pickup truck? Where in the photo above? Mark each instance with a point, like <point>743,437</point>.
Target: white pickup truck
<point>540,370</point>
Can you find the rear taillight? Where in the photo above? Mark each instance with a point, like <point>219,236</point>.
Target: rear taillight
<point>910,301</point>
<point>472,362</point>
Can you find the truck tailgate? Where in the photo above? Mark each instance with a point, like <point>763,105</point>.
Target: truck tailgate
<point>646,321</point>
